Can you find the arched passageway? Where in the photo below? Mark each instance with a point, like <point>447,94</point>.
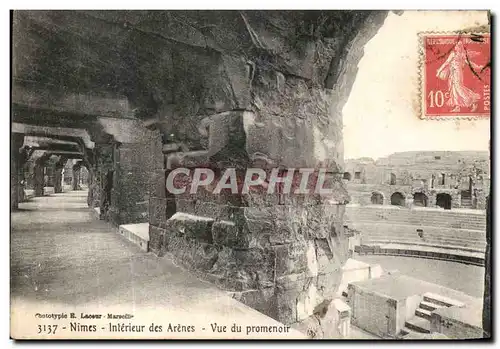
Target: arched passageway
<point>397,199</point>
<point>347,176</point>
<point>443,200</point>
<point>377,198</point>
<point>420,199</point>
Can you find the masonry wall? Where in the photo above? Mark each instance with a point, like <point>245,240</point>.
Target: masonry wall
<point>429,173</point>
<point>372,312</point>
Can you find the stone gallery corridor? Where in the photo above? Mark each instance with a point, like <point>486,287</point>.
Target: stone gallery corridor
<point>123,121</point>
<point>62,256</point>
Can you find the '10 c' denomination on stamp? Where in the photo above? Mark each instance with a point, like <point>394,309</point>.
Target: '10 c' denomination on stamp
<point>455,75</point>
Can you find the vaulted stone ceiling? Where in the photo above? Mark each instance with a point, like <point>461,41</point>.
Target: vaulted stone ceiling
<point>177,62</point>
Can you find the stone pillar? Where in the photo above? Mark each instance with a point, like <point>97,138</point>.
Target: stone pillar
<point>131,190</point>
<point>58,174</point>
<point>104,166</point>
<point>75,184</point>
<point>281,253</point>
<point>39,180</point>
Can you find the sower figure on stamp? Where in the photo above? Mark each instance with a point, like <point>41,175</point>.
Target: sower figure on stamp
<point>452,69</point>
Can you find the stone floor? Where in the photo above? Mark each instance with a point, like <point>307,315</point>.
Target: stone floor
<point>62,258</point>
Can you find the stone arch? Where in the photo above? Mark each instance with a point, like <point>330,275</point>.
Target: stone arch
<point>347,176</point>
<point>420,199</point>
<point>397,199</point>
<point>443,200</point>
<point>377,198</point>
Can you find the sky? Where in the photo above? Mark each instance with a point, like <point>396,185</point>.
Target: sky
<point>381,114</point>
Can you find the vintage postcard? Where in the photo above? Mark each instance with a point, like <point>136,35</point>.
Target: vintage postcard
<point>250,175</point>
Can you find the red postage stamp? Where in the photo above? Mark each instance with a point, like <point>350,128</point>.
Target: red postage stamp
<point>455,73</point>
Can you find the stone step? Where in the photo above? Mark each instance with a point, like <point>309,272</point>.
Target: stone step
<point>405,331</point>
<point>442,300</point>
<point>137,234</point>
<point>426,314</point>
<point>418,324</point>
<point>429,306</point>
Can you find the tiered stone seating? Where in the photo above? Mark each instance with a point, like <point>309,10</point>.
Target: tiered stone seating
<point>457,235</point>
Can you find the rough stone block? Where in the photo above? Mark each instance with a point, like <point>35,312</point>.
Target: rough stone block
<point>285,231</point>
<point>185,205</point>
<point>158,181</point>
<point>190,253</point>
<point>227,233</point>
<point>252,268</point>
<point>215,211</point>
<point>292,281</point>
<point>291,259</point>
<point>263,300</point>
<point>156,238</point>
<point>328,284</point>
<point>286,302</point>
<point>158,212</point>
<point>190,226</point>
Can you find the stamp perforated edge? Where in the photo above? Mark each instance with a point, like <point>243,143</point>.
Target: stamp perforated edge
<point>421,76</point>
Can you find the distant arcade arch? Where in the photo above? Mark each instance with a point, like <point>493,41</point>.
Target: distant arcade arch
<point>377,198</point>
<point>420,199</point>
<point>397,199</point>
<point>443,200</point>
<point>347,176</point>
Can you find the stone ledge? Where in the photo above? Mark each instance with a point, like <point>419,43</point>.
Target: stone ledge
<point>137,234</point>
<point>423,252</point>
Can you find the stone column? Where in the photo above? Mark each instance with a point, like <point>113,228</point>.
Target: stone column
<point>58,169</point>
<point>75,184</point>
<point>39,180</point>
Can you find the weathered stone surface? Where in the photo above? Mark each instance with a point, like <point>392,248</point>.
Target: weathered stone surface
<point>190,226</point>
<point>216,211</point>
<point>252,268</point>
<point>158,182</point>
<point>156,240</point>
<point>321,220</point>
<point>291,259</point>
<point>190,253</point>
<point>263,300</point>
<point>308,300</point>
<point>158,212</point>
<point>328,284</point>
<point>226,233</point>
<point>286,301</point>
<point>325,257</point>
